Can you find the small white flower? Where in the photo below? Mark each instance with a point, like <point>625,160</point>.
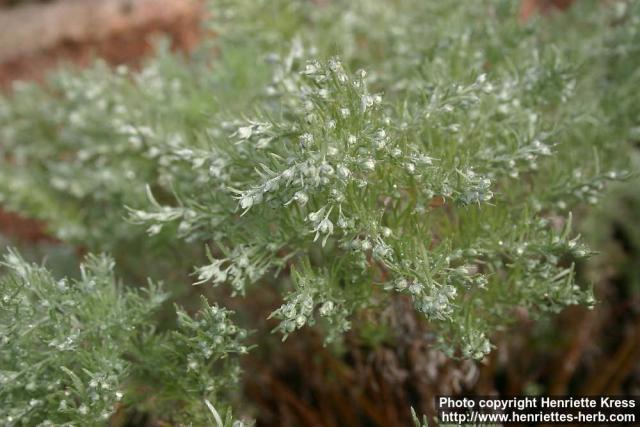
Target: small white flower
<point>212,272</point>
<point>288,174</point>
<point>335,64</point>
<point>410,167</point>
<point>263,143</point>
<point>300,321</point>
<point>246,201</point>
<point>366,101</point>
<point>425,160</point>
<point>301,198</point>
<point>271,185</point>
<point>308,106</point>
<point>316,216</point>
<point>542,148</point>
<point>326,169</point>
<point>325,226</point>
<point>369,164</point>
<point>401,283</point>
<point>326,308</point>
<point>306,139</point>
<point>307,305</point>
<point>337,195</point>
<point>311,68</point>
<point>343,172</point>
<point>344,223</point>
<point>289,311</point>
<point>309,170</point>
<point>244,132</point>
<point>381,251</point>
<point>344,113</point>
<point>415,288</point>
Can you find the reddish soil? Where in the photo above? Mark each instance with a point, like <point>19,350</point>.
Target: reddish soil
<point>23,229</point>
<point>528,8</point>
<point>122,37</point>
<point>127,47</point>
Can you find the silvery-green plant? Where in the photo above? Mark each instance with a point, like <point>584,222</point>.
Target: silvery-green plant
<point>455,190</point>
<point>347,153</point>
<point>72,351</point>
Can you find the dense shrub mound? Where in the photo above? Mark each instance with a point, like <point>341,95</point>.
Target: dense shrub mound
<point>324,164</point>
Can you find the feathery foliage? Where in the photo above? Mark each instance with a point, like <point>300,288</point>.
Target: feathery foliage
<point>343,153</point>
<point>72,349</point>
